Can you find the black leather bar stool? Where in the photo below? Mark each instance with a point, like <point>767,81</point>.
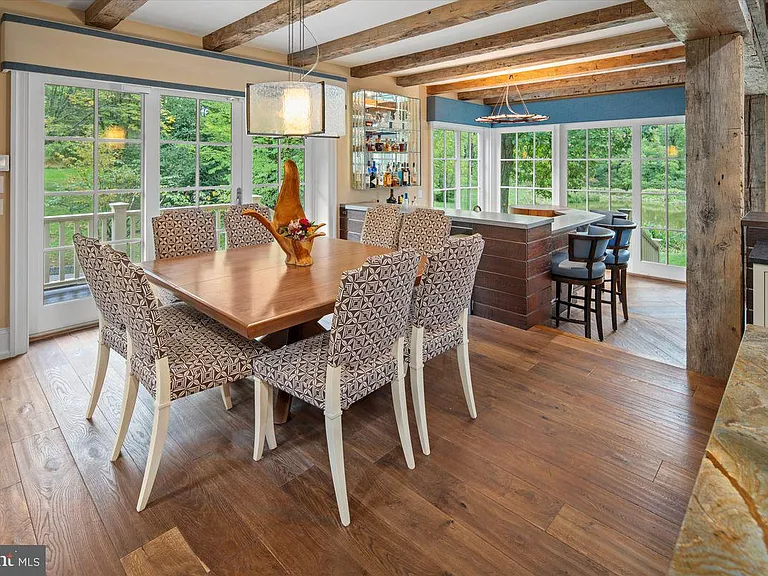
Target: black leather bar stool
<point>617,260</point>
<point>582,266</point>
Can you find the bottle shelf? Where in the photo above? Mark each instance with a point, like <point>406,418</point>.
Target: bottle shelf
<point>389,118</point>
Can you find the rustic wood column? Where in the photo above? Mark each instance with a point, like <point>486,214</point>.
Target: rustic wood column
<point>714,87</point>
<point>756,153</point>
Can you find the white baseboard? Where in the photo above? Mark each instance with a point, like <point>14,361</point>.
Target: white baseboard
<point>5,343</point>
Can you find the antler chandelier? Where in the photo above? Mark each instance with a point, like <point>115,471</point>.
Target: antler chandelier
<point>501,116</point>
<point>296,107</point>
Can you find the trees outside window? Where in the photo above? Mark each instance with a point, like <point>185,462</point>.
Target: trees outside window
<point>268,172</point>
<point>526,168</point>
<point>455,169</point>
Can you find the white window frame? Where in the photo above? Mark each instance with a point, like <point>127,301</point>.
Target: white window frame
<point>26,208</point>
<point>483,149</point>
<point>636,265</point>
<point>558,199</point>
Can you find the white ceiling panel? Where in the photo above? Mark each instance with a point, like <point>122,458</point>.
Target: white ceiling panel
<point>198,17</point>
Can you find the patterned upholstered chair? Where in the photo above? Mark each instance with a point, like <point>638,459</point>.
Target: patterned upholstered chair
<point>183,232</point>
<point>382,226</point>
<point>438,319</point>
<point>170,364</point>
<point>246,230</point>
<point>424,230</point>
<point>111,329</point>
<point>362,353</point>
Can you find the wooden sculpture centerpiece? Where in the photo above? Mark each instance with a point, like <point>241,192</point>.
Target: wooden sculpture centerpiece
<point>290,227</point>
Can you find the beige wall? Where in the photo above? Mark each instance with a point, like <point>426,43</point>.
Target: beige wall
<point>66,50</point>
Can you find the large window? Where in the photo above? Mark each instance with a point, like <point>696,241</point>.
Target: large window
<point>663,194</point>
<point>600,168</point>
<point>268,157</point>
<point>455,169</point>
<point>526,168</point>
<point>92,181</point>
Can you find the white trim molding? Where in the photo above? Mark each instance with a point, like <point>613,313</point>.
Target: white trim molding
<point>5,343</point>
<point>18,332</point>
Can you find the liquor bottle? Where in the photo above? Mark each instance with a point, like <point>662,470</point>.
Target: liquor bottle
<point>400,174</point>
<point>405,199</point>
<point>414,176</point>
<point>406,175</point>
<point>391,199</point>
<point>372,175</point>
<point>387,177</point>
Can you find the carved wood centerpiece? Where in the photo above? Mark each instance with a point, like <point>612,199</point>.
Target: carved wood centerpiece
<point>290,227</point>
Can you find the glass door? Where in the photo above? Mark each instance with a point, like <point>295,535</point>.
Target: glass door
<point>92,183</point>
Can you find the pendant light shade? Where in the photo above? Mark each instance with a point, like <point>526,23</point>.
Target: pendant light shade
<point>296,107</point>
<point>285,108</point>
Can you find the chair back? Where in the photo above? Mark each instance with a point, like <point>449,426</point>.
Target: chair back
<point>371,310</point>
<point>446,282</point>
<point>138,306</point>
<point>622,230</point>
<point>610,216</point>
<point>382,226</point>
<point>183,232</point>
<point>246,230</point>
<point>424,230</point>
<point>92,258</point>
<point>589,247</point>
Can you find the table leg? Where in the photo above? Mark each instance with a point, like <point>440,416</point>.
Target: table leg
<point>275,340</point>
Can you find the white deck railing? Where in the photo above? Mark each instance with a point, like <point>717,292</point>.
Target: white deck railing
<point>120,227</point>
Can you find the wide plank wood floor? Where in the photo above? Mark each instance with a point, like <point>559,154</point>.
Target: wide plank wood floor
<point>656,326</point>
<point>581,462</point>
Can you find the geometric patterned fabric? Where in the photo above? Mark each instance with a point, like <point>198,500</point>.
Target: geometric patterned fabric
<point>382,226</point>
<point>424,230</point>
<point>182,232</point>
<point>246,230</point>
<point>370,314</point>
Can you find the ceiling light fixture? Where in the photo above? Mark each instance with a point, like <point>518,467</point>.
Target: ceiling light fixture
<point>296,107</point>
<point>499,116</point>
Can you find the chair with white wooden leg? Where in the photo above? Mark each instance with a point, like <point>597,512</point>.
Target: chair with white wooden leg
<point>362,353</point>
<point>92,257</point>
<point>381,226</point>
<point>169,364</point>
<point>438,319</point>
<point>243,230</point>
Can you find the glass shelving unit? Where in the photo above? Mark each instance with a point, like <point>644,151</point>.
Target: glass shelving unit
<point>386,137</point>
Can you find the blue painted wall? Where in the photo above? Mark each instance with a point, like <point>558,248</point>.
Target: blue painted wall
<point>620,106</point>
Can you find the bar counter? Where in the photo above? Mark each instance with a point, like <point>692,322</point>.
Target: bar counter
<point>513,283</point>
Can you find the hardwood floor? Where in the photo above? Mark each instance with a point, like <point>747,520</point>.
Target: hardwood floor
<point>580,462</point>
<point>656,326</point>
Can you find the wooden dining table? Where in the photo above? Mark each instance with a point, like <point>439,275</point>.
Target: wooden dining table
<point>253,292</point>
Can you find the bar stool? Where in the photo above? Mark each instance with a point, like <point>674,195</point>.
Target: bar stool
<point>616,260</point>
<point>582,266</point>
<point>610,216</point>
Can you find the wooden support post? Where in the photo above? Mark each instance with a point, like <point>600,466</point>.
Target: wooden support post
<point>756,152</point>
<point>715,188</point>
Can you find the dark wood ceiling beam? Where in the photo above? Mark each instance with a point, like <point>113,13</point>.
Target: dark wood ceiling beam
<point>636,79</point>
<point>482,87</point>
<point>270,18</point>
<point>107,14</point>
<point>439,18</point>
<point>695,19</point>
<point>578,24</point>
<point>635,41</point>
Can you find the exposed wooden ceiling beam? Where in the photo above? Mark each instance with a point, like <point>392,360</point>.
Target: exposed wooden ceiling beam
<point>578,24</point>
<point>693,19</point>
<point>107,14</point>
<point>635,79</point>
<point>425,22</point>
<point>469,89</point>
<point>635,41</point>
<point>270,18</point>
